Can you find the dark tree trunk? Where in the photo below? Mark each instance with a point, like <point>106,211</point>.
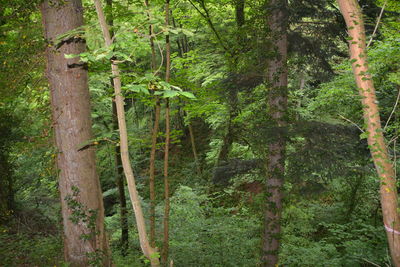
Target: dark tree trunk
<point>154,135</point>
<point>6,187</point>
<point>239,8</point>
<point>232,94</point>
<point>152,171</point>
<point>277,105</point>
<point>81,197</point>
<point>119,175</point>
<point>165,248</point>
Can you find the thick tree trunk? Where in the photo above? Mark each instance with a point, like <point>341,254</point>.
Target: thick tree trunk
<point>119,171</point>
<point>277,104</point>
<point>81,197</point>
<point>148,250</point>
<point>352,14</point>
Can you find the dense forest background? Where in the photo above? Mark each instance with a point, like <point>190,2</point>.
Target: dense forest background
<point>220,129</point>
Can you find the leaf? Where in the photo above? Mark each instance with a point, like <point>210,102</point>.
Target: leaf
<point>170,93</point>
<point>187,32</point>
<point>364,135</point>
<point>137,88</point>
<point>71,55</point>
<point>188,95</point>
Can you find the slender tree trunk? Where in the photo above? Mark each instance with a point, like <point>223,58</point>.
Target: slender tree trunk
<point>232,94</point>
<point>239,8</point>
<point>81,197</point>
<point>6,186</point>
<point>148,250</point>
<point>194,150</point>
<point>165,248</point>
<point>151,32</point>
<point>277,104</point>
<point>152,174</point>
<point>119,172</point>
<point>352,14</point>
<point>230,131</point>
<point>119,175</point>
<point>152,168</point>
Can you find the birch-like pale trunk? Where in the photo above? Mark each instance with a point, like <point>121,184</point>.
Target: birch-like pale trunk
<point>148,251</point>
<point>358,53</point>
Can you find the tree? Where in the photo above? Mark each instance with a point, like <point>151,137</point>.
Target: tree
<point>277,81</point>
<point>119,172</point>
<point>81,197</point>
<point>148,250</point>
<point>165,248</point>
<point>379,152</point>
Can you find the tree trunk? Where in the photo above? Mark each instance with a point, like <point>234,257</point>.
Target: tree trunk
<point>81,196</point>
<point>152,174</point>
<point>6,186</point>
<point>119,172</point>
<point>352,14</point>
<point>165,248</point>
<point>194,150</point>
<point>148,250</point>
<point>156,126</point>
<point>232,94</point>
<point>119,175</point>
<point>277,104</point>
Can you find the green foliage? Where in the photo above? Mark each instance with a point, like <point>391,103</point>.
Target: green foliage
<point>331,215</point>
<point>203,235</point>
<point>18,249</point>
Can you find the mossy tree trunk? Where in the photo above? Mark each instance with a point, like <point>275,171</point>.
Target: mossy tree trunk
<point>276,82</point>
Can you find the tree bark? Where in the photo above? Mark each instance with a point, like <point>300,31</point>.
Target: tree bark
<point>232,94</point>
<point>277,103</point>
<point>165,248</point>
<point>81,196</point>
<point>194,150</point>
<point>119,175</point>
<point>148,250</point>
<point>352,14</point>
<point>152,174</point>
<point>119,172</point>
<point>156,127</point>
